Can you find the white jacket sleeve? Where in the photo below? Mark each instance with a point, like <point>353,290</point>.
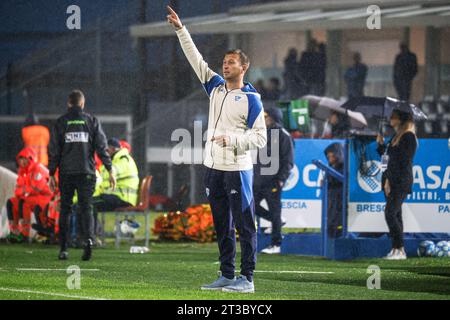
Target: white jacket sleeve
<point>204,73</point>
<point>255,136</point>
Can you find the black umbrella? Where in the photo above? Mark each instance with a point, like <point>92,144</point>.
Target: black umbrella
<point>322,107</point>
<point>382,107</point>
<point>378,109</point>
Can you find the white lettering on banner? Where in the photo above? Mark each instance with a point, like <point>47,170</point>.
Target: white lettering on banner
<point>434,177</point>
<point>72,137</point>
<point>423,195</point>
<point>306,176</point>
<point>433,173</point>
<point>299,213</point>
<point>446,180</point>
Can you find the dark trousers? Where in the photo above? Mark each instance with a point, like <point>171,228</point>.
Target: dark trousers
<point>108,202</point>
<point>230,195</point>
<point>272,195</point>
<point>84,184</point>
<point>104,203</point>
<point>334,212</point>
<point>394,220</point>
<point>403,88</point>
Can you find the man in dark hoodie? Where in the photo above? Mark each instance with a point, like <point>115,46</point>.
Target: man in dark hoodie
<point>335,156</point>
<point>273,167</point>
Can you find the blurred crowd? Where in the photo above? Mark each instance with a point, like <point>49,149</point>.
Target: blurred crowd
<point>36,206</point>
<point>305,73</point>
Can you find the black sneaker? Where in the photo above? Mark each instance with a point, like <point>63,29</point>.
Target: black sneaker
<point>63,255</point>
<point>87,250</point>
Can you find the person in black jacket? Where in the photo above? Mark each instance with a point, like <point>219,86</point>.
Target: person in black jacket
<point>405,69</point>
<point>75,137</point>
<point>397,178</point>
<point>273,167</point>
<point>335,156</point>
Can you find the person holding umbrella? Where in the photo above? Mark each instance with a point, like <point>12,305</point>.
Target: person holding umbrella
<point>397,179</point>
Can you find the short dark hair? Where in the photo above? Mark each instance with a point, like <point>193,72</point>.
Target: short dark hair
<point>75,97</point>
<point>242,55</point>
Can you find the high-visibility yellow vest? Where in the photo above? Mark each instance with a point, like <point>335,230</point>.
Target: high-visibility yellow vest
<point>127,177</point>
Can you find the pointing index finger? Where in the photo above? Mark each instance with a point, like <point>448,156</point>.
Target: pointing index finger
<point>171,10</point>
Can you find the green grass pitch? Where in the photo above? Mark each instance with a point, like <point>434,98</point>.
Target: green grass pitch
<point>176,271</point>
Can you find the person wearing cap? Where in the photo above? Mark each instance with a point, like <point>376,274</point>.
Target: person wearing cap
<point>76,136</point>
<point>126,191</point>
<point>273,167</point>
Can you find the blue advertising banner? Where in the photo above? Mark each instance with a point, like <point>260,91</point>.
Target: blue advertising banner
<point>301,197</point>
<point>427,209</point>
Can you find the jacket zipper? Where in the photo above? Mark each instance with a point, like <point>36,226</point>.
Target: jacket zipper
<point>217,122</point>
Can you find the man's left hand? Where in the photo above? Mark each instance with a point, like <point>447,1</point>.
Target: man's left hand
<point>112,179</point>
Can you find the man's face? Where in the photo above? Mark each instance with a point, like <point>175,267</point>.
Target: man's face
<point>268,119</point>
<point>232,68</point>
<point>23,162</point>
<point>112,150</point>
<point>331,158</point>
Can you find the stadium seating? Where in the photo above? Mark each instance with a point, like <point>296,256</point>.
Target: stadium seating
<point>438,112</point>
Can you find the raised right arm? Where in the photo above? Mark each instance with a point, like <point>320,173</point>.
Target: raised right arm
<point>208,78</point>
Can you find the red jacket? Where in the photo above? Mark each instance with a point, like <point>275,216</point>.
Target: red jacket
<point>32,181</point>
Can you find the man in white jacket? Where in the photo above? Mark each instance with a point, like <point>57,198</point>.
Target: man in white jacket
<point>235,126</point>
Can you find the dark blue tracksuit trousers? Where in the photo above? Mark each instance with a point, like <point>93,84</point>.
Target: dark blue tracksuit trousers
<point>231,198</point>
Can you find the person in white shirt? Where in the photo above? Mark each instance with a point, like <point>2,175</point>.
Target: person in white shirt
<point>235,126</point>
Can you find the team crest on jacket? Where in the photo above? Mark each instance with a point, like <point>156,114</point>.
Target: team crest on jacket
<point>237,98</point>
<point>38,177</point>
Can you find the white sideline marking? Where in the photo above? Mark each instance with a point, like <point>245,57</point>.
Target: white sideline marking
<point>51,294</point>
<point>294,271</point>
<point>44,269</point>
